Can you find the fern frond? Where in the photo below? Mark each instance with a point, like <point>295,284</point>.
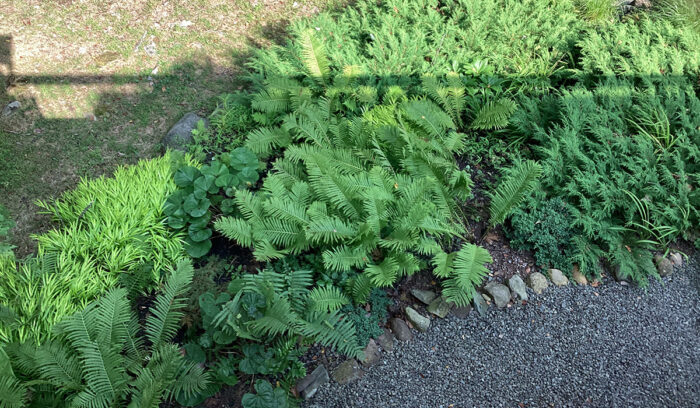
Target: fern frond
<point>494,114</point>
<point>163,322</point>
<point>13,394</point>
<point>330,329</point>
<point>469,271</point>
<point>60,366</point>
<point>513,189</point>
<point>314,56</point>
<point>327,299</point>
<point>342,258</point>
<point>236,229</point>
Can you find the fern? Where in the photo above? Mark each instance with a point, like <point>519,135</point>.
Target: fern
<point>165,316</point>
<point>494,114</point>
<point>327,299</point>
<point>512,190</point>
<point>468,270</point>
<point>99,358</point>
<point>314,57</point>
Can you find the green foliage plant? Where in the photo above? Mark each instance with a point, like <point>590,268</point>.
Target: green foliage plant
<point>209,187</point>
<point>517,182</point>
<point>227,126</point>
<point>625,193</point>
<point>103,357</point>
<point>545,227</point>
<point>108,227</point>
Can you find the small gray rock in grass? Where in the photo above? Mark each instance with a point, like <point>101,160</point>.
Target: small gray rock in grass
<point>308,385</point>
<point>538,283</point>
<point>425,296</point>
<point>386,340</point>
<point>558,278</point>
<point>480,304</point>
<point>371,353</point>
<point>347,371</point>
<point>11,108</point>
<point>400,329</point>
<point>499,293</point>
<point>663,265</point>
<point>180,135</point>
<point>420,322</point>
<point>439,307</point>
<point>518,287</point>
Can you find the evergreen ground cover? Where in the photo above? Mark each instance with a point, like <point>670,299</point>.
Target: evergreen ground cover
<point>348,166</point>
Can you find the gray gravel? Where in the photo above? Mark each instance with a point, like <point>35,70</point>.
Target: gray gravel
<point>610,346</point>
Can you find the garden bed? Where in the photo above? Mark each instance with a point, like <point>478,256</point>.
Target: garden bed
<point>378,153</point>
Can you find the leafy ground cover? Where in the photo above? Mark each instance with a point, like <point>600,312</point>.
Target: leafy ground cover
<point>383,141</point>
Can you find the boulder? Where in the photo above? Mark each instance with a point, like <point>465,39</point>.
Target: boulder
<point>676,258</point>
<point>347,371</point>
<point>663,265</point>
<point>480,304</point>
<point>558,278</point>
<point>420,322</point>
<point>500,294</point>
<point>308,385</point>
<point>538,283</point>
<point>425,296</point>
<point>439,307</point>
<point>386,340</point>
<point>371,353</point>
<point>460,312</point>
<point>516,284</point>
<point>180,135</point>
<point>400,329</point>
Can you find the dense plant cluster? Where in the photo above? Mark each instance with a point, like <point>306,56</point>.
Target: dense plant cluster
<point>208,187</point>
<point>347,167</point>
<point>109,227</point>
<point>545,227</point>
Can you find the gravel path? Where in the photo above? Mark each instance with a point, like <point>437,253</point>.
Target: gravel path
<point>610,346</point>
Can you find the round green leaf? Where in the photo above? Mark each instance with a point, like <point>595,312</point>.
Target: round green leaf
<point>195,207</point>
<point>195,353</point>
<point>198,234</point>
<point>197,249</point>
<point>176,222</point>
<point>200,222</point>
<point>185,176</point>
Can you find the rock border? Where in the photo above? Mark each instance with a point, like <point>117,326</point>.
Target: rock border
<point>401,330</point>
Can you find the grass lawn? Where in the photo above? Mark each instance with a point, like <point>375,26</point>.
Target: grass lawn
<point>100,83</point>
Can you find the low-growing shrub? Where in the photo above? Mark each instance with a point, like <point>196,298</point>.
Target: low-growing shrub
<point>544,227</point>
<point>527,40</point>
<point>626,192</point>
<point>368,324</point>
<point>108,227</point>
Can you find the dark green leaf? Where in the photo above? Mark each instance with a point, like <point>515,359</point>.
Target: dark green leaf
<point>185,176</point>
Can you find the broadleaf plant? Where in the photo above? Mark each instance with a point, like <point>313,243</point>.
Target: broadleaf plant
<point>209,187</point>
